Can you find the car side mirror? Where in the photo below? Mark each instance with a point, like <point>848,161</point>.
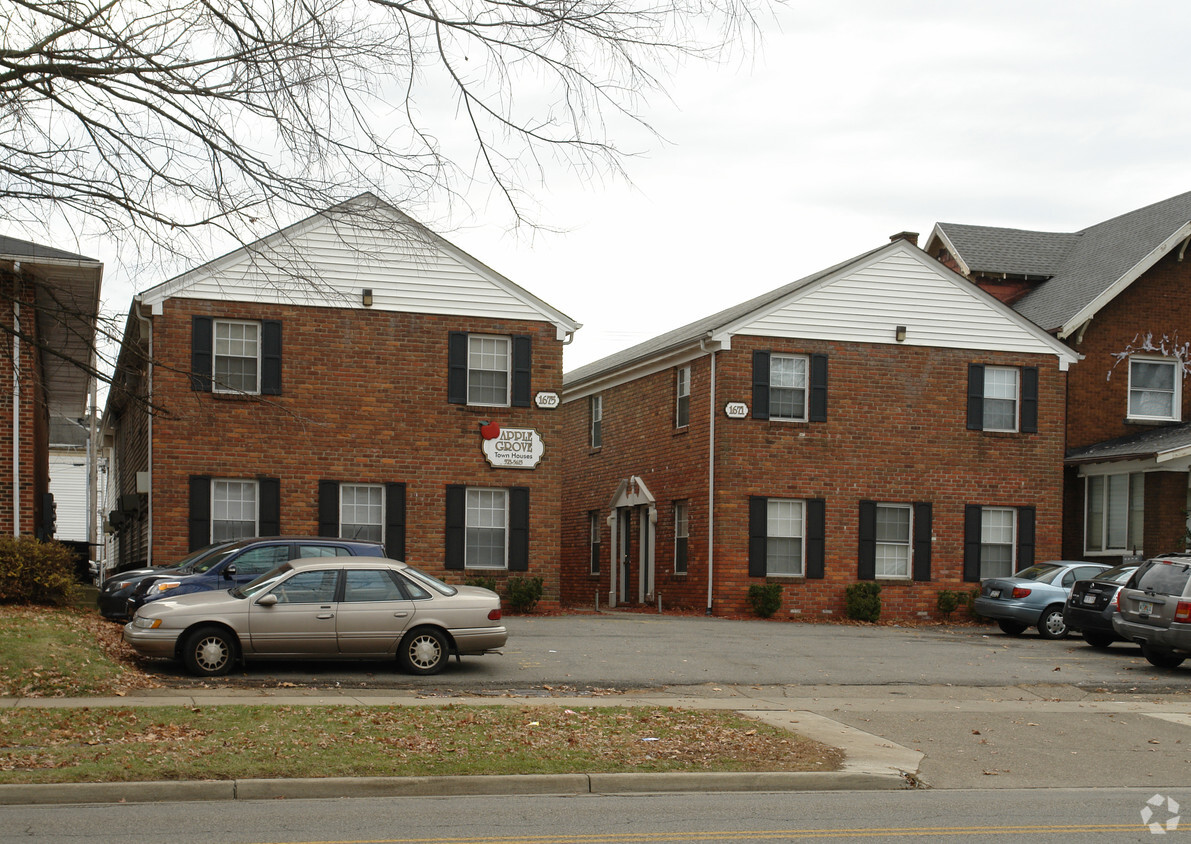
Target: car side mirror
<point>229,572</point>
<point>268,600</point>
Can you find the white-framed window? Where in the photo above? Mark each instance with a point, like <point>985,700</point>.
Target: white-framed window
<point>487,529</point>
<point>233,509</point>
<point>784,533</point>
<point>593,538</point>
<point>237,357</point>
<point>362,512</point>
<point>1001,392</point>
<point>489,370</point>
<point>788,383</point>
<point>682,515</point>
<point>1114,513</point>
<point>682,389</point>
<point>1155,389</point>
<point>595,406</point>
<point>893,547</point>
<point>998,541</point>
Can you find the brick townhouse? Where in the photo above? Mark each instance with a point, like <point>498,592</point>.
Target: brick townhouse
<point>351,375</point>
<point>882,420</point>
<point>1119,293</point>
<point>49,302</point>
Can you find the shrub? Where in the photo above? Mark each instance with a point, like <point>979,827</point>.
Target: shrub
<point>862,601</point>
<point>765,598</point>
<point>523,593</point>
<point>947,601</point>
<point>34,572</point>
<point>488,583</point>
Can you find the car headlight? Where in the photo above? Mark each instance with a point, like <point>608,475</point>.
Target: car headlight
<point>164,586</point>
<point>146,623</point>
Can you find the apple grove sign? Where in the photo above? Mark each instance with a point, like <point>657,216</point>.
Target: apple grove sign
<point>511,448</point>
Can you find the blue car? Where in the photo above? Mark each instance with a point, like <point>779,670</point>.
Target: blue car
<point>239,563</point>
<point>1034,597</point>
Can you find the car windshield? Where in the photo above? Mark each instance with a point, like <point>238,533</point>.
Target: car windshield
<point>208,563</point>
<point>1116,574</point>
<point>430,581</point>
<point>262,583</point>
<point>1044,573</point>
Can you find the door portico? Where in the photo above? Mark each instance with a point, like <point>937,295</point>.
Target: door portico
<point>632,496</point>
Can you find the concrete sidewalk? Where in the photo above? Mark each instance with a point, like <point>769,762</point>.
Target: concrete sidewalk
<point>871,762</point>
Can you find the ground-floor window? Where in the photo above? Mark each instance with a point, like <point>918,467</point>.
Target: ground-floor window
<point>893,541</point>
<point>681,535</point>
<point>362,511</point>
<point>784,531</point>
<point>593,533</point>
<point>233,510</point>
<point>487,528</point>
<point>1114,512</point>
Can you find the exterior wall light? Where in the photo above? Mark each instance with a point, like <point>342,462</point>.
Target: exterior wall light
<point>900,334</point>
<point>368,300</point>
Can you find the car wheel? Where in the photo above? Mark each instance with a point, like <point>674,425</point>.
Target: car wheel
<point>1011,628</point>
<point>1051,624</point>
<point>424,651</point>
<point>1098,638</point>
<point>209,652</point>
<point>1161,659</point>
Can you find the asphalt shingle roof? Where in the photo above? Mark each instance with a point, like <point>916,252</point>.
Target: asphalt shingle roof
<point>12,247</point>
<point>1146,444</point>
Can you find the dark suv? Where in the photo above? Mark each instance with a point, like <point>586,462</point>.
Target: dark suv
<point>1155,610</point>
<point>240,562</point>
<point>114,592</point>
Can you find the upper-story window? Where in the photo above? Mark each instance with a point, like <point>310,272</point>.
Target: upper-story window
<point>791,388</point>
<point>1154,389</point>
<point>787,387</point>
<point>1002,398</point>
<point>682,389</point>
<point>235,356</point>
<point>489,370</point>
<point>595,406</point>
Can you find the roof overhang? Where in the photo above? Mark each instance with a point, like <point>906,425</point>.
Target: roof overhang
<point>937,234</point>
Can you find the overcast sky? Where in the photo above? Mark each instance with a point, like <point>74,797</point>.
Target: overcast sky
<point>855,120</point>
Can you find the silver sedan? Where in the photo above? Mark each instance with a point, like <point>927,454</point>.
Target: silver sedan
<point>327,607</point>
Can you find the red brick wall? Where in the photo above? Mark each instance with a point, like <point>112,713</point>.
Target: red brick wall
<point>896,432</point>
<point>364,400</point>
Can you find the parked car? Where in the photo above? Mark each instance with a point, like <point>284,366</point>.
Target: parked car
<point>1033,597</point>
<point>1154,610</point>
<point>114,592</point>
<point>242,562</point>
<point>1092,604</point>
<point>330,607</point>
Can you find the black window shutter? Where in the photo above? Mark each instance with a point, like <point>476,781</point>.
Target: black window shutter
<point>522,371</point>
<point>456,526</point>
<point>866,556</point>
<point>395,521</point>
<point>457,367</point>
<point>270,506</point>
<point>818,403</point>
<point>519,529</point>
<point>202,359</point>
<point>923,531</point>
<point>271,357</point>
<point>1025,537</point>
<point>1029,399</point>
<point>200,511</point>
<point>816,536</point>
<point>975,396</point>
<point>760,385</point>
<point>972,543</point>
<point>328,508</point>
<point>758,535</point>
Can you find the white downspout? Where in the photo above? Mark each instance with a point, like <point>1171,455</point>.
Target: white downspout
<point>148,327</point>
<point>16,401</point>
<point>711,491</point>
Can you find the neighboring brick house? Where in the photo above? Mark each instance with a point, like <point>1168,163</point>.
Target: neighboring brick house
<point>881,420</point>
<point>333,379</point>
<point>1119,293</point>
<point>49,302</point>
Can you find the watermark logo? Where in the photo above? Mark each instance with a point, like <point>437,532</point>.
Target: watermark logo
<point>1160,814</point>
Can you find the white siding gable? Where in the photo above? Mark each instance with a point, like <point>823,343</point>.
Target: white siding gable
<point>329,259</point>
<point>865,304</point>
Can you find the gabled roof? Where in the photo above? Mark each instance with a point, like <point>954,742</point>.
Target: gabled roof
<point>67,301</point>
<point>858,300</point>
<point>1084,270</point>
<point>363,243</point>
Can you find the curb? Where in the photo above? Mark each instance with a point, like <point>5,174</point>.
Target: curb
<point>516,784</point>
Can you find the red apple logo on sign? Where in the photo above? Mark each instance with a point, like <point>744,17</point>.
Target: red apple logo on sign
<point>489,430</point>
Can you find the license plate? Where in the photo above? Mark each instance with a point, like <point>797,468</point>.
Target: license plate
<point>996,593</point>
<point>1089,599</point>
<point>1145,608</point>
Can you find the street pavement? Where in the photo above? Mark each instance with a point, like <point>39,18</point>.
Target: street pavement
<point>941,708</point>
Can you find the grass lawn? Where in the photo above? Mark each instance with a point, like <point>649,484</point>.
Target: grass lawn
<point>60,652</point>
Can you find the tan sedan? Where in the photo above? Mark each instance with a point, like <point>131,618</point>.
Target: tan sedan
<point>325,607</point>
